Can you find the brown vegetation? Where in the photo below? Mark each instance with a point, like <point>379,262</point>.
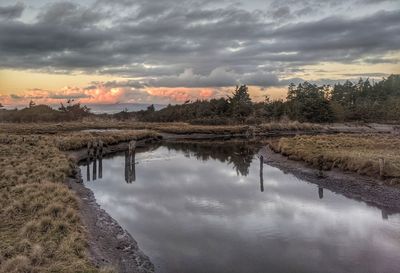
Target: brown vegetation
<point>173,127</point>
<point>357,153</point>
<point>40,227</point>
<point>78,140</point>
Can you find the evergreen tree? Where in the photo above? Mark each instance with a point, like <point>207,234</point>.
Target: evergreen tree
<point>240,103</point>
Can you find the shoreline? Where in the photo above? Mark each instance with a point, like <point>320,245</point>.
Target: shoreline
<point>349,184</point>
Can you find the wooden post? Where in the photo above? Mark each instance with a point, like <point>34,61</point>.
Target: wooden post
<point>95,149</point>
<point>320,192</point>
<point>101,144</point>
<point>381,167</point>
<point>261,173</point>
<point>320,163</point>
<point>132,146</point>
<point>89,146</point>
<point>130,171</point>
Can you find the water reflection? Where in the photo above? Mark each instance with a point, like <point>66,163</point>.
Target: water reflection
<point>95,171</point>
<point>239,155</point>
<point>130,166</point>
<point>193,211</point>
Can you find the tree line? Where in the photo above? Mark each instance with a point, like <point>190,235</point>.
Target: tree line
<point>34,113</point>
<point>306,102</point>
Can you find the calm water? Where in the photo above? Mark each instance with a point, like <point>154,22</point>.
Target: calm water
<point>201,208</point>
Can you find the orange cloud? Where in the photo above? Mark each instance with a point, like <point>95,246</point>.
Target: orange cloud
<point>102,93</point>
<point>182,94</point>
<point>94,94</point>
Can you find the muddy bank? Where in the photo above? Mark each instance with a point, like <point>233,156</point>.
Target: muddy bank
<point>109,245</point>
<point>369,190</point>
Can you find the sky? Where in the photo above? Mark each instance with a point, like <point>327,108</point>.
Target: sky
<point>170,51</point>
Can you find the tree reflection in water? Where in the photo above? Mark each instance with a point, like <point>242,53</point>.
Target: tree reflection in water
<point>237,154</point>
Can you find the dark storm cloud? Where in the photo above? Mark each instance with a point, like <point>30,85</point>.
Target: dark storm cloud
<point>11,12</point>
<point>193,43</point>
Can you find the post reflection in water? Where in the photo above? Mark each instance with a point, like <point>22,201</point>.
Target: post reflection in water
<point>261,173</point>
<point>130,167</point>
<point>100,167</point>
<point>95,171</point>
<point>88,169</point>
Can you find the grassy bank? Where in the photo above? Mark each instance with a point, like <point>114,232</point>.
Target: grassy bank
<point>357,153</point>
<point>40,227</point>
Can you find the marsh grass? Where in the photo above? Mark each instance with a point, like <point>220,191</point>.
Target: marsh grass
<point>78,140</point>
<point>40,227</point>
<point>174,128</point>
<point>358,153</point>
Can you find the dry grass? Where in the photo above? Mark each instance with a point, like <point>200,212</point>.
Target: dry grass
<point>77,140</point>
<point>40,227</point>
<point>290,126</point>
<point>357,153</point>
<point>52,128</point>
<point>175,128</point>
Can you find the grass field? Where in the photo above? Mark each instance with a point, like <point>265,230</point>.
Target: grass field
<point>357,153</point>
<point>40,227</point>
<point>175,128</point>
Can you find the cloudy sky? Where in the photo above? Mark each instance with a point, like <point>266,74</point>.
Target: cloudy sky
<point>169,51</point>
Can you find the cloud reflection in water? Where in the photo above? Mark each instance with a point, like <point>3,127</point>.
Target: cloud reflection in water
<point>204,211</point>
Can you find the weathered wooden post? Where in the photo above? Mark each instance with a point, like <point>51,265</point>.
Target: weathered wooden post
<point>130,168</point>
<point>320,163</point>
<point>320,192</point>
<point>89,149</point>
<point>100,145</point>
<point>95,149</point>
<point>261,173</point>
<point>381,167</point>
<point>132,146</point>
